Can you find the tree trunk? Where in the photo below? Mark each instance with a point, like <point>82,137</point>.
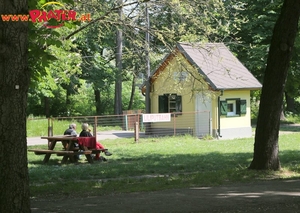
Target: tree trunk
<point>282,116</point>
<point>47,106</point>
<point>290,103</point>
<point>68,94</point>
<point>132,93</point>
<point>266,138</point>
<point>14,83</point>
<point>118,81</point>
<point>98,101</point>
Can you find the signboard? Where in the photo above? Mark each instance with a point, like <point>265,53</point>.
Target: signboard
<point>160,117</point>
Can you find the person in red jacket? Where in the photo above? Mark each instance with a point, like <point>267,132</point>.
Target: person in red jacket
<point>86,132</point>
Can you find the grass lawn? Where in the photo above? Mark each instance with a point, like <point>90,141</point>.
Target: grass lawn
<point>159,163</point>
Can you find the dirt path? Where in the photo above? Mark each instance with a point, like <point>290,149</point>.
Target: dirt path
<point>265,196</point>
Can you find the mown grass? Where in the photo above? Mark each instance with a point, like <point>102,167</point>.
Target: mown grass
<point>159,163</point>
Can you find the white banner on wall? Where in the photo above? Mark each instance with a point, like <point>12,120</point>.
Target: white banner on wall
<point>160,117</point>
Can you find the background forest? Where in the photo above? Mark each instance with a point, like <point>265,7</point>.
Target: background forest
<point>96,67</point>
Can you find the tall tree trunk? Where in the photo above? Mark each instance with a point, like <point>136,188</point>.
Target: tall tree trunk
<point>290,103</point>
<point>266,138</point>
<point>118,81</point>
<point>47,106</point>
<point>132,92</point>
<point>98,101</point>
<point>68,94</point>
<point>14,83</point>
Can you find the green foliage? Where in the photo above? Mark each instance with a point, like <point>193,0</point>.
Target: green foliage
<point>88,52</point>
<point>255,34</point>
<point>160,163</point>
<point>82,102</point>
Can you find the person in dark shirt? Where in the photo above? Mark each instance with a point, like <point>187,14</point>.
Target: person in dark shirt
<point>71,130</point>
<point>86,132</point>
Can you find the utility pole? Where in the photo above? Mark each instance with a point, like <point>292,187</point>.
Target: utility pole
<point>118,75</point>
<point>147,47</point>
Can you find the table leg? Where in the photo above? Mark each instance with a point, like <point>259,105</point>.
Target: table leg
<point>51,145</point>
<point>88,156</point>
<point>69,148</point>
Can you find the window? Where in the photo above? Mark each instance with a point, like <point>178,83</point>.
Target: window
<point>233,107</point>
<point>169,103</point>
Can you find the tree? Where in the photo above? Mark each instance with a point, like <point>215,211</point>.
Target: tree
<point>266,147</point>
<point>14,83</point>
<point>171,21</point>
<point>254,37</point>
<point>254,40</point>
<point>118,76</point>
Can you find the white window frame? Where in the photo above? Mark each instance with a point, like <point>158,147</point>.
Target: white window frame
<point>233,112</point>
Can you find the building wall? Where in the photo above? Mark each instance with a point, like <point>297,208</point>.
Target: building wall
<point>166,82</point>
<point>236,126</point>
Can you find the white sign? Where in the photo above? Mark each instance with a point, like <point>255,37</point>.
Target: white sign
<point>161,117</point>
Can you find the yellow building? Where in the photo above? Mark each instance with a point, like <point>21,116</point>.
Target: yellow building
<point>206,89</point>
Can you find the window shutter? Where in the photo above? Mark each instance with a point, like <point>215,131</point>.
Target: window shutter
<point>243,106</point>
<point>178,103</point>
<point>238,106</point>
<point>162,104</point>
<point>223,106</point>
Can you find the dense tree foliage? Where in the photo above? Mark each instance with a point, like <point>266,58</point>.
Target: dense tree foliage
<point>252,43</point>
<point>95,42</point>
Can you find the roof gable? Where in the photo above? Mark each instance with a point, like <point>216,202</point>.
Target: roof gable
<point>221,69</point>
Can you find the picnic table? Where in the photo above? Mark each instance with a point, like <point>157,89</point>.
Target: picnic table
<point>86,146</point>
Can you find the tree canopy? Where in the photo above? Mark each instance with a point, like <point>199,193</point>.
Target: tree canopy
<point>90,49</point>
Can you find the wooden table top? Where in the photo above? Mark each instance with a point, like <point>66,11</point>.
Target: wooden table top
<point>63,137</point>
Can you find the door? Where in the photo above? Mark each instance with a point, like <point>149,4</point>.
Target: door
<point>203,115</point>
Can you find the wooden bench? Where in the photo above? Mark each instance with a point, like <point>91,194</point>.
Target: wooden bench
<point>47,151</point>
<point>59,152</point>
<point>87,152</point>
<point>64,153</point>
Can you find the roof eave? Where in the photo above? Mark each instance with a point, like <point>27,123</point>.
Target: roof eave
<point>240,88</point>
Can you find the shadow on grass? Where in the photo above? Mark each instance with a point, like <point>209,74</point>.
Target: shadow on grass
<point>290,128</point>
<point>123,164</point>
<point>178,183</point>
<point>286,127</point>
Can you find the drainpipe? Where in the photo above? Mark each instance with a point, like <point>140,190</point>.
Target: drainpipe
<point>219,114</point>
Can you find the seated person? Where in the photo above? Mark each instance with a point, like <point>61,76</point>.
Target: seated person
<point>86,132</point>
<point>71,130</point>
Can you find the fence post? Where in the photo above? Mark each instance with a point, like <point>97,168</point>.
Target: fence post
<point>50,127</point>
<point>141,120</point>
<point>174,124</point>
<point>95,128</point>
<point>126,122</point>
<point>136,131</point>
<point>210,124</point>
